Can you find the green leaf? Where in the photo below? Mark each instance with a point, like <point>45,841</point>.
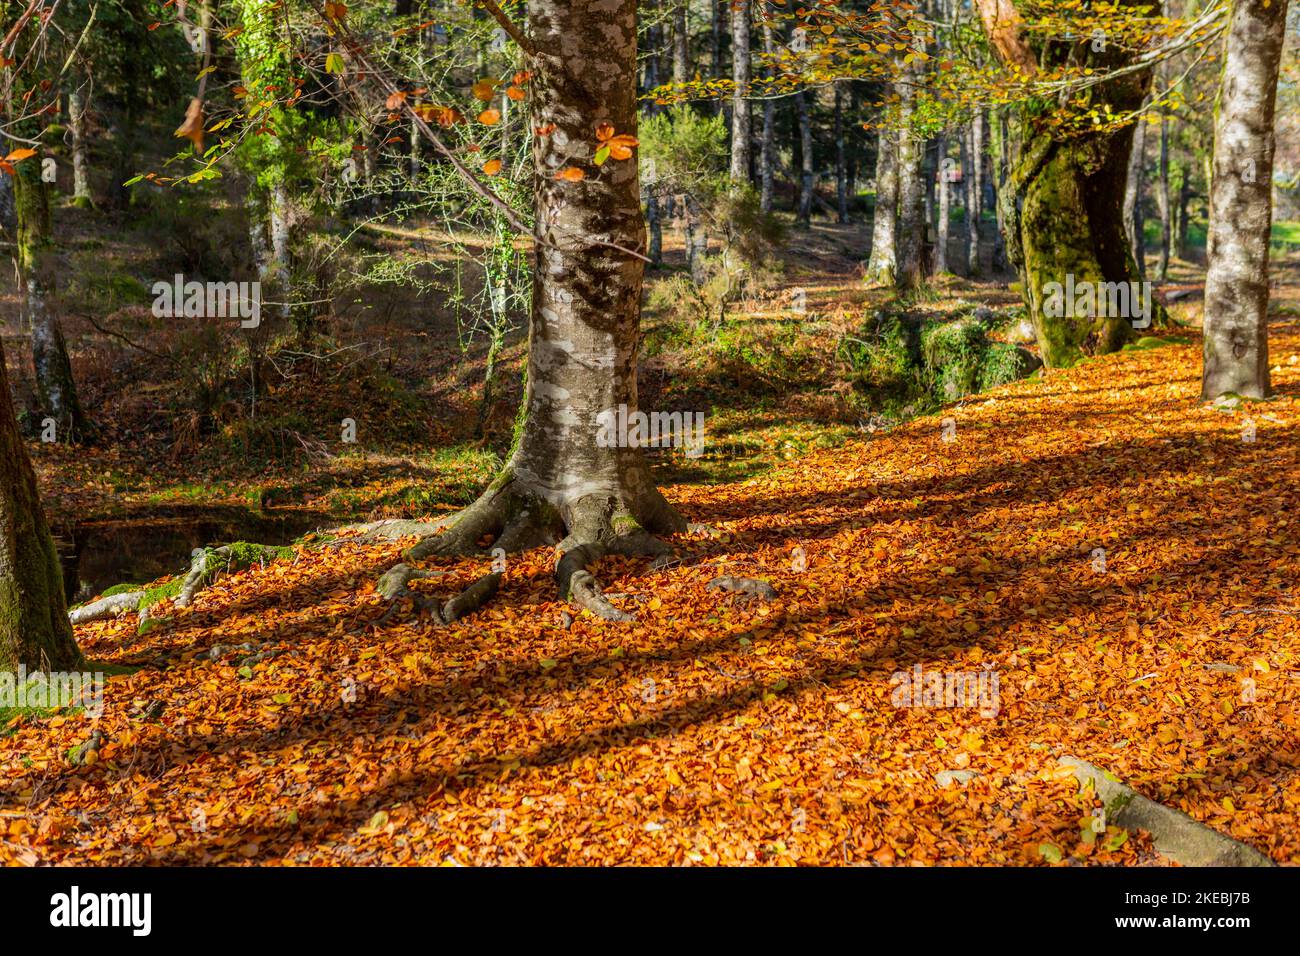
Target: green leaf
<point>282,698</point>
<point>602,154</point>
<point>1116,839</point>
<point>1049,852</point>
<point>246,672</point>
<point>333,63</point>
<point>133,180</point>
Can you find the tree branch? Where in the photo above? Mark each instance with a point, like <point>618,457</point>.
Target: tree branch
<point>523,40</point>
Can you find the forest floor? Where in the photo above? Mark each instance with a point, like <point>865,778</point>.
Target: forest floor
<point>1121,558</point>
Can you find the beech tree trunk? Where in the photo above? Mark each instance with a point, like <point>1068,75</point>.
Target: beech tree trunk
<point>944,190</point>
<point>767,149</point>
<point>1133,199</point>
<point>38,270</point>
<point>911,186</point>
<point>841,160</point>
<point>1162,202</point>
<point>561,480</point>
<point>681,44</point>
<point>882,267</point>
<point>973,175</point>
<point>80,165</point>
<point>741,112</point>
<point>34,627</point>
<point>1241,204</point>
<point>803,113</point>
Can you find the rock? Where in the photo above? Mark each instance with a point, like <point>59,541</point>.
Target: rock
<point>1028,362</point>
<point>1021,332</point>
<point>946,778</point>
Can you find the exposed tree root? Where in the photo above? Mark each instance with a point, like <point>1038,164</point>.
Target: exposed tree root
<point>393,583</point>
<point>578,584</point>
<point>584,531</point>
<point>206,564</point>
<point>111,606</point>
<point>507,516</point>
<point>393,586</point>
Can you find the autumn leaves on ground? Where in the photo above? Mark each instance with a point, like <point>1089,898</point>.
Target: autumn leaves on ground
<point>1120,556</point>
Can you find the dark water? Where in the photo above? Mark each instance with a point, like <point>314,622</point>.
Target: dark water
<point>100,554</point>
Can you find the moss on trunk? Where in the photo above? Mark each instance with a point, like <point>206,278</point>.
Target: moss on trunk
<point>34,628</point>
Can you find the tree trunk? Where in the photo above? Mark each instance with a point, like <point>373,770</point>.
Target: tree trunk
<point>1241,204</point>
<point>882,268</point>
<point>1067,208</point>
<point>563,474</point>
<point>39,270</point>
<point>841,160</point>
<point>717,30</point>
<point>803,112</point>
<point>911,185</point>
<point>681,44</point>
<point>1133,198</point>
<point>34,628</point>
<point>767,150</point>
<point>973,174</point>
<point>654,224</point>
<point>80,166</point>
<point>944,190</point>
<point>1183,238</point>
<point>741,107</point>
<point>1162,201</point>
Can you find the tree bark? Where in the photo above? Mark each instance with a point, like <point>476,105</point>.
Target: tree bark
<point>973,175</point>
<point>717,31</point>
<point>34,628</point>
<point>882,267</point>
<point>681,44</point>
<point>562,479</point>
<point>841,160</point>
<point>38,270</point>
<point>1162,201</point>
<point>80,165</point>
<point>944,190</point>
<point>1241,204</point>
<point>1133,198</point>
<point>803,113</point>
<point>911,185</point>
<point>767,149</point>
<point>741,106</point>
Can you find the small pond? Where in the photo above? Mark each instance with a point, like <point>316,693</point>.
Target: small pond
<point>97,555</point>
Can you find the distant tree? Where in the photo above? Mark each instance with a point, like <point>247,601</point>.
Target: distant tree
<point>34,628</point>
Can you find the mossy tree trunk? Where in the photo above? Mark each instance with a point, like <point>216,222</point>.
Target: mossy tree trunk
<point>34,628</point>
<point>1064,215</point>
<point>38,269</point>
